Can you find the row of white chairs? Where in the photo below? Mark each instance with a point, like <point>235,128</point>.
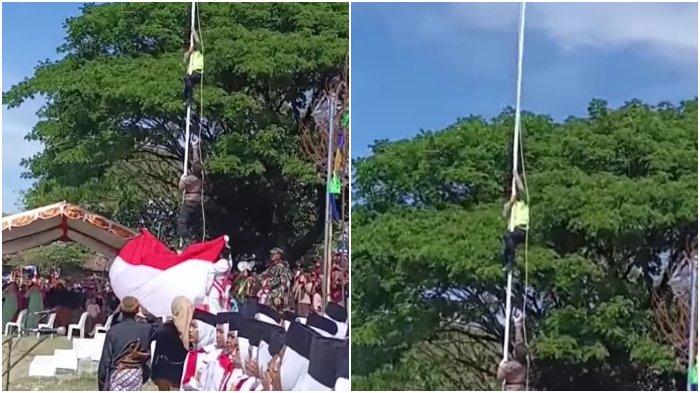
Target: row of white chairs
<point>75,327</point>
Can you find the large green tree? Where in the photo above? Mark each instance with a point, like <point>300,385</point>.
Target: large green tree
<point>113,124</point>
<point>613,201</point>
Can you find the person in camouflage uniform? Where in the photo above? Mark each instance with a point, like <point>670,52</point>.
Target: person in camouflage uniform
<point>279,278</point>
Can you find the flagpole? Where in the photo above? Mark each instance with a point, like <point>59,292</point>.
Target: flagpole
<point>189,106</point>
<point>328,225</point>
<point>693,312</point>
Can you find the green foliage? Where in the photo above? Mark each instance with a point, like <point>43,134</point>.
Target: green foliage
<point>66,256</point>
<point>613,198</point>
<point>113,127</point>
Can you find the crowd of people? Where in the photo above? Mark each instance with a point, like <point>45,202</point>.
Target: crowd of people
<point>197,350</point>
<point>278,320</point>
<point>277,286</point>
<point>282,289</point>
<point>67,296</point>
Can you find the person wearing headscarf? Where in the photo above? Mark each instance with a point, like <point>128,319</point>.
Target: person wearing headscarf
<point>218,284</point>
<point>125,354</point>
<point>35,305</point>
<point>202,338</point>
<point>9,303</point>
<point>248,378</point>
<point>172,342</point>
<point>220,370</point>
<point>234,356</point>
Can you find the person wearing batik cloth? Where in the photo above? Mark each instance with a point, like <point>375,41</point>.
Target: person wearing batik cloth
<point>172,343</point>
<point>202,335</point>
<point>279,278</point>
<point>125,354</point>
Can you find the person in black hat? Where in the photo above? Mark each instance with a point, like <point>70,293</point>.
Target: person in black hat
<point>230,358</point>
<point>222,367</point>
<point>202,334</point>
<point>125,354</point>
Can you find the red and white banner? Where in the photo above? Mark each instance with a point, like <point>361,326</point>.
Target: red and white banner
<point>146,269</point>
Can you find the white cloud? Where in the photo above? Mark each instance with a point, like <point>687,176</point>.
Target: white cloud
<point>666,30</point>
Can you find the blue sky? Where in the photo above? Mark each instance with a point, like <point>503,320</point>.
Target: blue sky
<point>31,32</point>
<point>422,66</point>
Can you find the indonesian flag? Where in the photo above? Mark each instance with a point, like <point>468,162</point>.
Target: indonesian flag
<point>147,270</point>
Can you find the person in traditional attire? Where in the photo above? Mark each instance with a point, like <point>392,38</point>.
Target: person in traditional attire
<point>513,373</point>
<point>35,305</point>
<point>125,354</point>
<point>221,369</point>
<point>248,378</point>
<point>217,299</point>
<point>202,334</point>
<point>9,303</point>
<point>172,342</point>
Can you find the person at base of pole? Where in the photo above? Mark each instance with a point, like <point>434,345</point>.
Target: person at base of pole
<point>194,59</point>
<point>125,354</point>
<point>517,213</point>
<point>190,212</point>
<point>513,372</point>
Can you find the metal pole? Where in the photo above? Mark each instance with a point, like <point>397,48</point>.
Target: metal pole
<point>516,139</point>
<point>7,378</point>
<point>329,225</point>
<point>692,312</point>
<point>189,106</point>
<point>10,367</point>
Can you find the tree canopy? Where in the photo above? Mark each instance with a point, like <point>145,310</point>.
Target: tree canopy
<point>613,201</point>
<point>113,125</point>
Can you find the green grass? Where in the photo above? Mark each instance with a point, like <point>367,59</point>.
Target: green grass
<point>19,379</point>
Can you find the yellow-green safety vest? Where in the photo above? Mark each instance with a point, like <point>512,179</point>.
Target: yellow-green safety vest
<point>196,62</point>
<point>519,216</point>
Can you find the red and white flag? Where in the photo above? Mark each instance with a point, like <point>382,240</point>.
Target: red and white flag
<point>147,270</point>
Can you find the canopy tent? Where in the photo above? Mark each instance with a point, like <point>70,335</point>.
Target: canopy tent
<point>66,222</point>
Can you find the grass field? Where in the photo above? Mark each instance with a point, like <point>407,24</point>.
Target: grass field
<point>19,379</point>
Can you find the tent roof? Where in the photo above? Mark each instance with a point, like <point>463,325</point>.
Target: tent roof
<point>66,222</point>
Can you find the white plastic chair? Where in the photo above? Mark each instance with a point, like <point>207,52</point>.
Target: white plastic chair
<point>18,323</point>
<point>103,329</point>
<point>48,325</point>
<point>80,326</point>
